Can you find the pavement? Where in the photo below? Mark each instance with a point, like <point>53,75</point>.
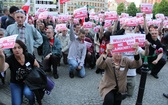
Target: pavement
<point>84,91</point>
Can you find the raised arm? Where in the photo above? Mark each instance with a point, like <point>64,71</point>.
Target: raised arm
<point>3,65</point>
<point>145,24</point>
<point>72,35</point>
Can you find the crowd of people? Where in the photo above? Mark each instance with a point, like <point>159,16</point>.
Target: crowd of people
<point>70,44</point>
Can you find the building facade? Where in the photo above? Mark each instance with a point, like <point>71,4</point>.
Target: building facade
<point>151,1</point>
<point>97,5</point>
<point>18,3</point>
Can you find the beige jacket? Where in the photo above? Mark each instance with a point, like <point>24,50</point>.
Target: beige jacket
<point>65,40</point>
<point>108,82</point>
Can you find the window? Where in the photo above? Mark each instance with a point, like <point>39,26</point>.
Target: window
<point>31,8</point>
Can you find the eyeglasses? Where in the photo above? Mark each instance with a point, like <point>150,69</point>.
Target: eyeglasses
<point>21,11</point>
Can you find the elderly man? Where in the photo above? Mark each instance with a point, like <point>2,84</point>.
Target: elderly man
<point>51,52</point>
<point>27,33</point>
<point>64,38</point>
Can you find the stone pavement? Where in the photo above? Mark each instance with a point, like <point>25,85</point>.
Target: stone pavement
<point>84,91</point>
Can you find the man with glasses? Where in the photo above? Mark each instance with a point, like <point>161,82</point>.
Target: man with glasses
<point>26,33</point>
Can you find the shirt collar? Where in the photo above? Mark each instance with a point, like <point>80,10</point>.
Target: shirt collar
<point>24,24</point>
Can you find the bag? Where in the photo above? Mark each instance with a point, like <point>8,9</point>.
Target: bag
<point>50,86</point>
<point>120,96</point>
<point>36,79</point>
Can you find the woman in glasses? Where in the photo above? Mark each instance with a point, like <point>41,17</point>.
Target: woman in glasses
<point>116,68</point>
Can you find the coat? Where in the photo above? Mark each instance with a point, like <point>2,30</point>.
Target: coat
<point>108,82</point>
<point>56,48</point>
<point>32,36</point>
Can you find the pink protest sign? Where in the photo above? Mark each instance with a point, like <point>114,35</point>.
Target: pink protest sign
<point>88,44</point>
<point>138,15</point>
<point>63,18</point>
<point>87,25</point>
<point>131,22</point>
<point>92,14</point>
<point>146,8</point>
<point>112,15</point>
<point>8,42</point>
<point>80,13</point>
<point>122,20</point>
<point>124,15</point>
<point>160,16</point>
<point>60,27</point>
<point>157,22</point>
<point>165,23</point>
<point>96,29</point>
<point>76,21</point>
<point>140,20</point>
<point>107,23</point>
<point>140,39</point>
<point>122,43</point>
<point>43,15</point>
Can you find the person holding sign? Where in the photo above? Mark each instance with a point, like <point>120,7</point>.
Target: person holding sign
<point>18,63</point>
<point>114,79</point>
<point>77,52</point>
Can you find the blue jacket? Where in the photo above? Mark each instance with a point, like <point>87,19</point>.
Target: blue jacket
<point>55,49</point>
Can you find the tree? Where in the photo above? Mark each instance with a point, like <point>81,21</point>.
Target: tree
<point>120,8</point>
<point>155,8</point>
<point>132,10</point>
<point>163,7</point>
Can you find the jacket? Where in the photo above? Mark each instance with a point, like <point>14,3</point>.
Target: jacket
<point>55,49</point>
<point>65,40</point>
<point>108,82</point>
<point>32,36</point>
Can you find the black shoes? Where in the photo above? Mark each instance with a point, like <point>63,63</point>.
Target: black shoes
<point>165,95</point>
<point>155,75</point>
<point>56,76</point>
<point>71,74</point>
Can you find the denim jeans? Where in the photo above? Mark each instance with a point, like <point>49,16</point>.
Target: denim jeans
<point>17,92</point>
<point>73,66</point>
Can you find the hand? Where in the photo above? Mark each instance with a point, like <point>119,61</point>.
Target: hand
<point>109,47</point>
<point>147,43</point>
<point>135,46</point>
<point>72,20</point>
<point>1,51</point>
<point>79,68</point>
<point>89,53</point>
<point>155,62</point>
<point>144,15</point>
<point>48,56</point>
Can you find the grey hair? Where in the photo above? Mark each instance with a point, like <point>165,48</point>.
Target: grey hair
<point>3,30</point>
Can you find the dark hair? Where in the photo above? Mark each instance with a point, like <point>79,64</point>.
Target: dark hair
<point>81,31</point>
<point>5,9</point>
<point>13,9</point>
<point>22,45</point>
<point>154,26</point>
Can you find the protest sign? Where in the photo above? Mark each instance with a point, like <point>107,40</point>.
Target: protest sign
<point>146,8</point>
<point>8,42</point>
<point>124,43</point>
<point>80,13</point>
